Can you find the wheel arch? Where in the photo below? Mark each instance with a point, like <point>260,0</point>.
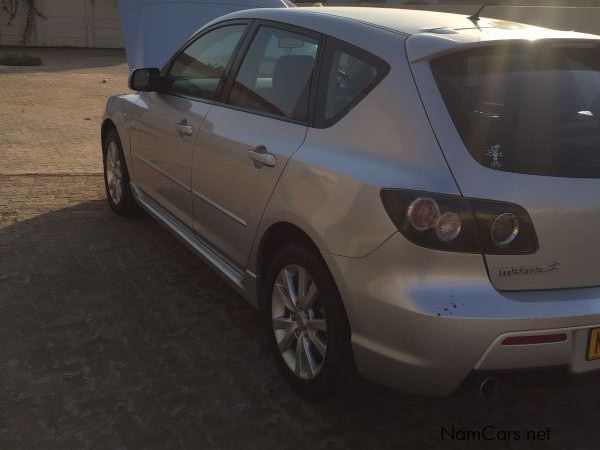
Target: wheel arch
<point>117,116</point>
<point>274,238</point>
<point>107,125</point>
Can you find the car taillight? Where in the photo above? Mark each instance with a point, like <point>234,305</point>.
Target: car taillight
<point>460,224</point>
<point>504,228</point>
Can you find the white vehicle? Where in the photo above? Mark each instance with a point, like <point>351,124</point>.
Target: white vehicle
<point>413,193</point>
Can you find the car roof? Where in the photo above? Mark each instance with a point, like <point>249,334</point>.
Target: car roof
<point>429,33</point>
<point>411,22</point>
<point>408,22</point>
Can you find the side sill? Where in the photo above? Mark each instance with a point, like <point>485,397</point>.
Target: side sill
<point>244,282</point>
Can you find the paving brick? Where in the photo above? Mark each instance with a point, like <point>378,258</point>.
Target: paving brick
<point>49,115</point>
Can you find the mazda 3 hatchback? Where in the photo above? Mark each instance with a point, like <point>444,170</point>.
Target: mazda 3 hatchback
<point>411,194</point>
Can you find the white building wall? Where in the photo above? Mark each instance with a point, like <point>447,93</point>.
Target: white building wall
<point>70,23</point>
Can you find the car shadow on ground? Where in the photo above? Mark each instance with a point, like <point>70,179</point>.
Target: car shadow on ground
<point>114,335</point>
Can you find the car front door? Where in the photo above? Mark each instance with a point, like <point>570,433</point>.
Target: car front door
<point>246,141</point>
<point>165,124</point>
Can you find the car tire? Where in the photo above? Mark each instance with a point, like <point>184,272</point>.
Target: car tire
<point>309,337</point>
<point>116,176</point>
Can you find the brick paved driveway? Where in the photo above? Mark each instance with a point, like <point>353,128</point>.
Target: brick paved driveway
<point>113,335</point>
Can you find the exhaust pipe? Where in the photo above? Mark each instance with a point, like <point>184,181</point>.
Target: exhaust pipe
<point>488,387</point>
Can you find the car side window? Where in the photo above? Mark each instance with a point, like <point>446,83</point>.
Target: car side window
<point>276,74</point>
<point>348,75</point>
<point>199,70</point>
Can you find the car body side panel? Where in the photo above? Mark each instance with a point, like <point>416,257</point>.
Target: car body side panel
<point>331,186</point>
<point>118,110</point>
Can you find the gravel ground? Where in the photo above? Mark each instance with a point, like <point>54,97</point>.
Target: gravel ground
<point>113,335</point>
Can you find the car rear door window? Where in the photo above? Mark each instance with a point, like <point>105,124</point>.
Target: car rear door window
<point>276,74</point>
<point>348,75</point>
<point>199,70</point>
<point>532,109</point>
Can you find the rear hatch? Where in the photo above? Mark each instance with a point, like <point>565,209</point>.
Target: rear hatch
<point>519,122</point>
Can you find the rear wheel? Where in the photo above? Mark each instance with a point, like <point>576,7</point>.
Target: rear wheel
<point>116,176</point>
<point>306,323</point>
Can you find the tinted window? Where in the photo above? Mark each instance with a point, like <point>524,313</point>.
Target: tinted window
<point>531,109</point>
<point>199,70</point>
<point>348,75</point>
<point>276,74</point>
<point>348,78</point>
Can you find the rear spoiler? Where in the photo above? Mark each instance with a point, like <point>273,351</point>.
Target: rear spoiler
<point>433,43</point>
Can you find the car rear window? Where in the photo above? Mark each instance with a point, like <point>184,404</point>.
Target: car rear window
<point>529,108</point>
<point>348,74</point>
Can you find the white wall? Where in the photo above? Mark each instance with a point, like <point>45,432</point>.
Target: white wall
<point>72,23</point>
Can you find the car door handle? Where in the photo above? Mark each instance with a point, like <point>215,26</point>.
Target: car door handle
<point>262,156</point>
<point>184,128</point>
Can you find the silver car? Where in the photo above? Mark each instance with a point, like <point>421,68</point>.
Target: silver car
<point>411,194</point>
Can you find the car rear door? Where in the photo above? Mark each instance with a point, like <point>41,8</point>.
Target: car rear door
<point>247,140</point>
<point>165,124</point>
<point>520,123</point>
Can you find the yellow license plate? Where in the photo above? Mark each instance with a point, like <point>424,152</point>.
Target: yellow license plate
<point>593,350</point>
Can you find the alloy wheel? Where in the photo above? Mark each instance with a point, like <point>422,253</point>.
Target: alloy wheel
<point>299,321</point>
<point>114,172</point>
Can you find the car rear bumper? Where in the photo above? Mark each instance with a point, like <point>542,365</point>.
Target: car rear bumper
<point>423,320</point>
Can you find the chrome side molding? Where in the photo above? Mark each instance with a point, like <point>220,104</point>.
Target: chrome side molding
<point>219,208</point>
